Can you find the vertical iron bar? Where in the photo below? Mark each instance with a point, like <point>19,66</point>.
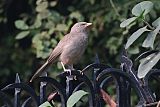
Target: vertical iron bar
<point>17,93</point>
<point>69,85</point>
<point>96,87</point>
<point>148,95</point>
<point>123,89</point>
<point>43,90</point>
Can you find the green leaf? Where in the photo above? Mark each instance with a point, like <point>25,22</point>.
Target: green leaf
<point>53,42</point>
<point>156,22</point>
<point>22,34</point>
<point>135,35</point>
<point>37,23</point>
<point>42,6</point>
<point>61,27</point>
<point>45,104</point>
<point>42,54</point>
<point>147,64</point>
<point>127,22</point>
<point>76,15</point>
<point>38,2</point>
<point>144,6</point>
<point>51,31</point>
<point>149,41</point>
<point>20,24</point>
<point>75,97</point>
<point>133,50</point>
<point>53,3</point>
<point>92,1</point>
<point>44,14</point>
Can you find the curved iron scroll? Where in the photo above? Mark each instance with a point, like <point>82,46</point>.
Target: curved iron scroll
<point>125,79</point>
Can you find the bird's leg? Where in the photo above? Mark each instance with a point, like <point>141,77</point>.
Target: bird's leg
<point>69,70</point>
<point>63,66</point>
<point>81,72</point>
<point>66,70</point>
<point>71,67</point>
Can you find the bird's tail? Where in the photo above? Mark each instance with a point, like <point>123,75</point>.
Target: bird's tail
<point>40,70</point>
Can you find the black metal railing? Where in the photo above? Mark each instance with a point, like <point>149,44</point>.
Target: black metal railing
<point>125,80</point>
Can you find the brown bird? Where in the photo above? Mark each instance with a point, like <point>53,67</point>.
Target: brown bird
<point>70,49</point>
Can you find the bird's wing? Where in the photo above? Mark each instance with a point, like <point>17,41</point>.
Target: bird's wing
<point>58,49</point>
<point>53,56</point>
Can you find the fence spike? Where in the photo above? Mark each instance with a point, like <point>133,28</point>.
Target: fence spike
<point>96,59</point>
<point>17,92</point>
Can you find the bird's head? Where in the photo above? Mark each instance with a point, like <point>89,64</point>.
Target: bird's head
<point>81,27</point>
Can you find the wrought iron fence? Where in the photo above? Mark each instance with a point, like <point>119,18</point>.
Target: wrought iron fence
<point>125,80</point>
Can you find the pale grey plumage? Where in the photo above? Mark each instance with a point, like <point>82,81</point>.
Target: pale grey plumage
<point>70,49</point>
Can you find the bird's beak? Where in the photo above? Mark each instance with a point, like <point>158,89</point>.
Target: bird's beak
<point>88,24</point>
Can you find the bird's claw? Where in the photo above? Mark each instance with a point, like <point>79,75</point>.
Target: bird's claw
<point>81,72</point>
<point>75,78</point>
<point>68,71</point>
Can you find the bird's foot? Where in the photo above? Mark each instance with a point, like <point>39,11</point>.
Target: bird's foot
<point>71,77</point>
<point>75,77</point>
<point>81,72</point>
<point>68,71</point>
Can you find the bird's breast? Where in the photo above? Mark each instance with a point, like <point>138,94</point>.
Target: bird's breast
<point>73,50</point>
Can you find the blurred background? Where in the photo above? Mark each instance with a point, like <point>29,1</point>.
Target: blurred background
<point>29,29</point>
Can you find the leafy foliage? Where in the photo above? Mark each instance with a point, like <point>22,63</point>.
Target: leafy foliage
<point>147,63</point>
<point>135,36</point>
<point>142,8</point>
<point>45,104</point>
<point>140,11</point>
<point>75,97</point>
<point>20,24</point>
<point>72,100</point>
<point>128,22</point>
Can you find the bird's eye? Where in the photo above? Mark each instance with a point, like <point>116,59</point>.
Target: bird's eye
<point>83,23</point>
